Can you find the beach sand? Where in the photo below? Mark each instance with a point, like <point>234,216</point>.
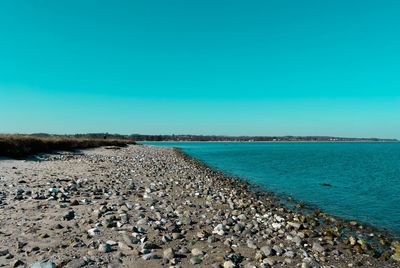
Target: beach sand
<point>146,206</point>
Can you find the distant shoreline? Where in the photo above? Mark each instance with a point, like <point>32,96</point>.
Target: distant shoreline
<point>25,145</point>
<point>356,141</point>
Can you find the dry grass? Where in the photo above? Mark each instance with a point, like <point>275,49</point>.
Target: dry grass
<point>19,146</point>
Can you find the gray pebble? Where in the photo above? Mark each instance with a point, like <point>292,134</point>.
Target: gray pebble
<point>195,260</point>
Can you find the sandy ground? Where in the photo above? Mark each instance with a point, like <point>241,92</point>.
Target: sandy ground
<point>145,206</point>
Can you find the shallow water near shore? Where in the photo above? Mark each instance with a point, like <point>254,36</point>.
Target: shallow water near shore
<point>352,180</point>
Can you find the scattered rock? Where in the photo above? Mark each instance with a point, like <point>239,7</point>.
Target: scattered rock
<point>396,250</point>
<point>94,232</point>
<point>105,248</point>
<point>70,215</point>
<point>251,244</point>
<point>4,252</point>
<point>169,254</point>
<point>236,258</point>
<point>219,229</point>
<point>45,264</point>
<point>151,256</point>
<point>318,248</point>
<point>266,250</point>
<point>195,260</point>
<point>290,254</point>
<point>196,252</point>
<point>277,249</point>
<point>17,263</point>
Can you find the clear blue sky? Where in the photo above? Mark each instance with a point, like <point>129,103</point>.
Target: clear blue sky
<point>201,67</point>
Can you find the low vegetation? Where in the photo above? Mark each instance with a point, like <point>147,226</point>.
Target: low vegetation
<point>19,146</point>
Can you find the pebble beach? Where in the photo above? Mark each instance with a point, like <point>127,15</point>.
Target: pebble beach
<point>147,206</point>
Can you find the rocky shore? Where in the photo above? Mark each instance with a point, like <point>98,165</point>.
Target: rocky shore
<point>145,206</point>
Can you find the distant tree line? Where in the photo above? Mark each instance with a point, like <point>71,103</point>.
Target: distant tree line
<point>246,138</point>
<point>140,137</point>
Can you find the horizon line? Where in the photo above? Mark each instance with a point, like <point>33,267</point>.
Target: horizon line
<point>204,135</point>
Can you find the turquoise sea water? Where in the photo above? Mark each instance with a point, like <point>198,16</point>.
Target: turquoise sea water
<point>363,178</point>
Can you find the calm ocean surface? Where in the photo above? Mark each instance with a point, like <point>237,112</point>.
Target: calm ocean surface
<point>364,177</point>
